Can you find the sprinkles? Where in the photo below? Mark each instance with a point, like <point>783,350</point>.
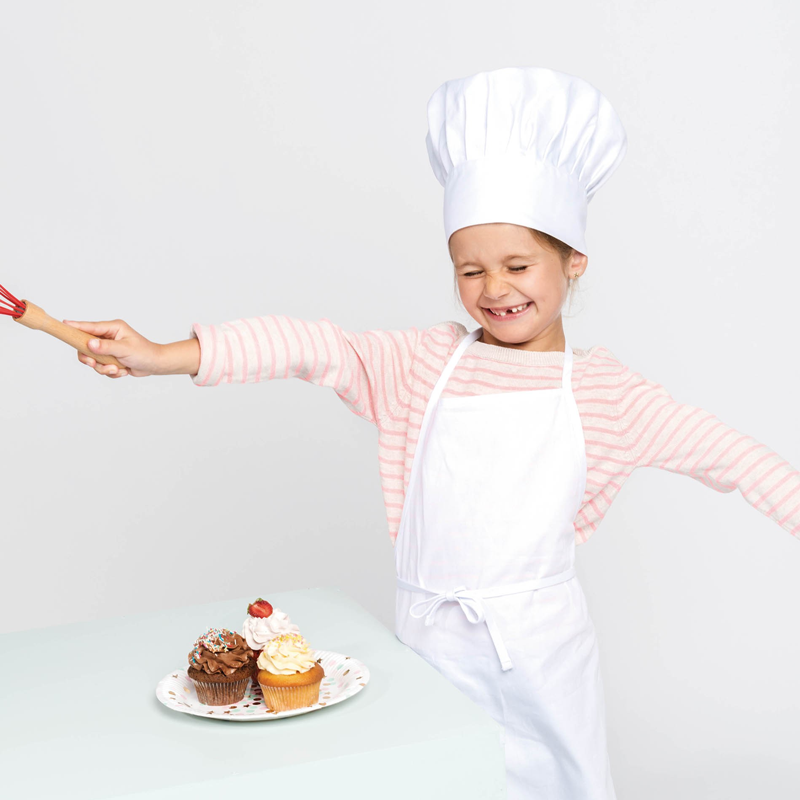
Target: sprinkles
<point>292,638</point>
<point>213,640</point>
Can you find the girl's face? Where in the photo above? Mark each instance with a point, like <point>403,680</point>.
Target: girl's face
<point>500,266</point>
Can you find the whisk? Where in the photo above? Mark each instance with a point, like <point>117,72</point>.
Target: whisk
<point>33,317</point>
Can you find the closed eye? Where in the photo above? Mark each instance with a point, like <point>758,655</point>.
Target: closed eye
<point>513,269</point>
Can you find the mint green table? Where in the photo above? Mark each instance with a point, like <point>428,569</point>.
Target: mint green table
<point>80,718</point>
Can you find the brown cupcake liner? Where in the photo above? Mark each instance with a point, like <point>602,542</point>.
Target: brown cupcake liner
<point>286,698</point>
<point>220,694</point>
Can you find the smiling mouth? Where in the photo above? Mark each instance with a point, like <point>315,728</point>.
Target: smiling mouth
<point>506,311</point>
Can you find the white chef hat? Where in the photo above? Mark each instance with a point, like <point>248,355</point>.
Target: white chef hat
<point>526,145</point>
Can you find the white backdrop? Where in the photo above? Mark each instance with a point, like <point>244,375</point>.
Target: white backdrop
<point>178,162</point>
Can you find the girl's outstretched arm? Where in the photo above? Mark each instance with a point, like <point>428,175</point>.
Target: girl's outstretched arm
<point>368,370</point>
<point>661,432</point>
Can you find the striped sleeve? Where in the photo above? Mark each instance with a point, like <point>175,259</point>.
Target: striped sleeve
<point>661,432</point>
<point>367,370</point>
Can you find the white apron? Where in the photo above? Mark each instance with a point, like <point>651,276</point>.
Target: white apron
<point>486,584</point>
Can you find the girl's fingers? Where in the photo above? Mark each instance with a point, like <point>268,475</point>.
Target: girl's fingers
<point>95,328</point>
<point>111,370</point>
<point>108,347</point>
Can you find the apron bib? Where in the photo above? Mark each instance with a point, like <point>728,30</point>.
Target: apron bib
<point>486,585</point>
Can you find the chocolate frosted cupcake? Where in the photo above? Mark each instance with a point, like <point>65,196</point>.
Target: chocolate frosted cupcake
<point>220,665</point>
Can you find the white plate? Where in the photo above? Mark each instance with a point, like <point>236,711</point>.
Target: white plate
<point>344,677</point>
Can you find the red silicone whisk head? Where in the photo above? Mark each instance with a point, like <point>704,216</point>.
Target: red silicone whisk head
<point>9,305</point>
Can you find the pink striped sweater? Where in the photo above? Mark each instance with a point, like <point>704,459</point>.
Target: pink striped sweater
<point>386,377</point>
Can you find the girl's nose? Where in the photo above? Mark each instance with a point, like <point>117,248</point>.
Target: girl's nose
<point>494,288</point>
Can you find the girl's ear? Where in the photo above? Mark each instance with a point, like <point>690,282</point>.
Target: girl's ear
<point>580,262</point>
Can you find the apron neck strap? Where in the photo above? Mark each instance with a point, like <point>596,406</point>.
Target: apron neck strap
<point>566,374</point>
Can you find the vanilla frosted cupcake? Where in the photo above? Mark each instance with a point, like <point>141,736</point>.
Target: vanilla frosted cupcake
<point>288,674</point>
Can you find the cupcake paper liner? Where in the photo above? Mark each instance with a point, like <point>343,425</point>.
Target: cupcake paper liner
<point>220,694</point>
<point>285,698</point>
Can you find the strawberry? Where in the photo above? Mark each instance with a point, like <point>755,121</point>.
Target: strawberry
<point>259,608</point>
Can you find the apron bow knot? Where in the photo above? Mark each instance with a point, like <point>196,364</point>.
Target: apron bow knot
<point>470,602</point>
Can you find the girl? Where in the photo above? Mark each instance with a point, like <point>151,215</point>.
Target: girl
<point>501,448</point>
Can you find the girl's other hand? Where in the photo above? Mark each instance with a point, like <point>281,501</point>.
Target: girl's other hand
<point>140,356</point>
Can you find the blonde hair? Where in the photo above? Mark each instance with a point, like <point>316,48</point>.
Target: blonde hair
<point>548,242</point>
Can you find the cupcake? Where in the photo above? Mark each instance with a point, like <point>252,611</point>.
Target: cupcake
<point>220,665</point>
<point>265,622</point>
<point>288,674</point>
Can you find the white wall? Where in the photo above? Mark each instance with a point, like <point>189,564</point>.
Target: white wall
<point>179,162</point>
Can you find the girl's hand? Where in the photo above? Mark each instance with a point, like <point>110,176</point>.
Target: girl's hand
<point>140,356</point>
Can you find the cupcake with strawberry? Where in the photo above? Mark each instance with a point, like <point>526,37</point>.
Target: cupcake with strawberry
<point>264,622</point>
<point>220,665</point>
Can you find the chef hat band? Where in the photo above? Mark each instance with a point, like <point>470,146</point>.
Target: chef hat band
<point>518,189</point>
<point>525,145</point>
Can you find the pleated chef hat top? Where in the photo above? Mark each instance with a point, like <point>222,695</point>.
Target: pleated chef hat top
<point>527,145</point>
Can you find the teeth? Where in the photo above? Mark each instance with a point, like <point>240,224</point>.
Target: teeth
<point>512,310</point>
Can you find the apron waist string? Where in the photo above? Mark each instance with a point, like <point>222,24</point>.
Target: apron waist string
<point>471,602</point>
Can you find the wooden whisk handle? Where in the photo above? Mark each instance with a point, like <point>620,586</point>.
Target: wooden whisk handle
<point>38,320</point>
